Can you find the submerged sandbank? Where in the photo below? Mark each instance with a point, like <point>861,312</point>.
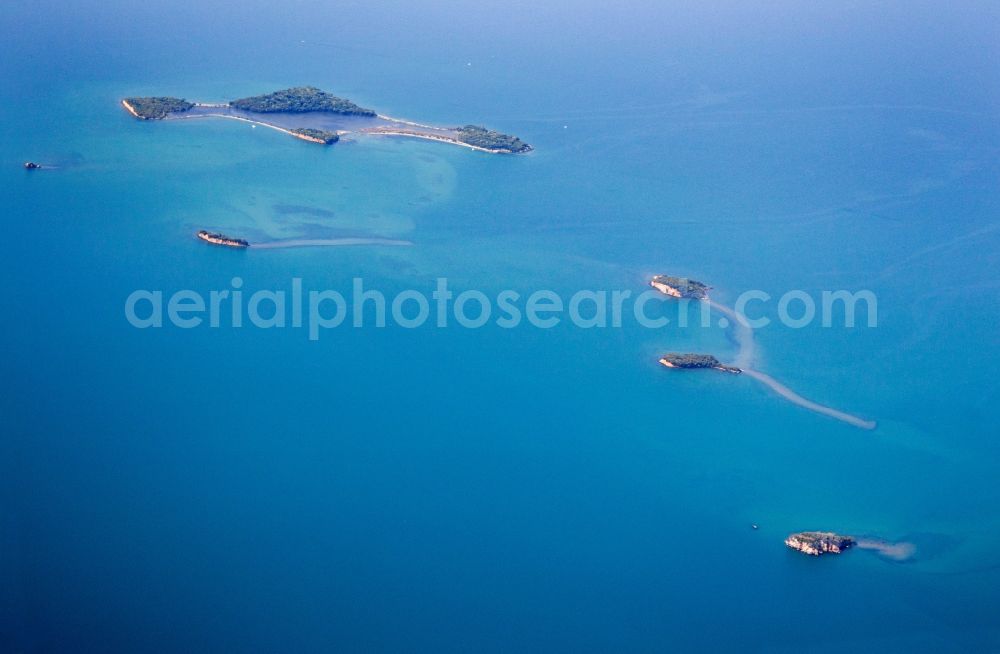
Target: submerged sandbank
<point>795,398</point>
<point>743,335</point>
<point>903,551</point>
<point>329,242</point>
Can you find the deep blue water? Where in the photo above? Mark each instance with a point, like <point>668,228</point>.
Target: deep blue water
<point>248,490</point>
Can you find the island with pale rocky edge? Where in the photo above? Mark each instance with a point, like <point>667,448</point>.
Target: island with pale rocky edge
<point>694,362</point>
<point>311,114</point>
<point>680,287</point>
<point>215,238</point>
<point>816,543</point>
<point>487,139</point>
<point>316,135</point>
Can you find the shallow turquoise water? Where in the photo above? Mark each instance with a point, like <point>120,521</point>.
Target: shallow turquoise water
<point>500,490</point>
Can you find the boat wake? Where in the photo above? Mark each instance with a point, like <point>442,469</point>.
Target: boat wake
<point>327,242</point>
<point>743,336</point>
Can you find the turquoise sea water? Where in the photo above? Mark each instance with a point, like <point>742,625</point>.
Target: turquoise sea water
<point>171,490</point>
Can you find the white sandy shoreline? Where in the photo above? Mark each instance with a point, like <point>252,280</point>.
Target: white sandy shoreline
<point>129,108</point>
<point>407,122</point>
<point>376,131</point>
<point>256,122</point>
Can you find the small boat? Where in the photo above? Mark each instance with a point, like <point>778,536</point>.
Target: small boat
<point>216,238</point>
<point>31,165</point>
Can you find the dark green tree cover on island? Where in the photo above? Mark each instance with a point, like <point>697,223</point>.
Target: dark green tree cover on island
<point>300,99</point>
<point>157,108</point>
<point>486,138</point>
<point>691,360</point>
<point>327,137</point>
<point>303,99</point>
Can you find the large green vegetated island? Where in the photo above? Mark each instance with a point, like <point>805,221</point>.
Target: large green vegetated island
<point>312,114</point>
<point>301,99</point>
<point>156,108</point>
<point>488,139</point>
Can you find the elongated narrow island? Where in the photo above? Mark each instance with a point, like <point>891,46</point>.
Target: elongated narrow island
<point>314,115</point>
<point>691,361</point>
<point>215,238</point>
<point>487,139</point>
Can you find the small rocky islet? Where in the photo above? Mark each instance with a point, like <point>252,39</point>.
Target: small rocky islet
<point>817,543</point>
<point>680,287</point>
